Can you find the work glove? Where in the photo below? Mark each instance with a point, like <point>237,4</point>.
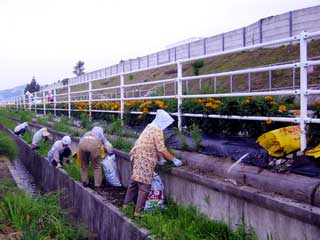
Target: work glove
<point>177,162</point>
<point>162,161</point>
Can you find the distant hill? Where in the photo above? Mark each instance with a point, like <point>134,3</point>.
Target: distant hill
<point>12,92</point>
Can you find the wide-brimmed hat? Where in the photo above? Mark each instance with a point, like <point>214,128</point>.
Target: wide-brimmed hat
<point>45,133</point>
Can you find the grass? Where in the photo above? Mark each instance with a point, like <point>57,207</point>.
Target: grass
<point>39,217</point>
<point>180,222</point>
<point>8,147</point>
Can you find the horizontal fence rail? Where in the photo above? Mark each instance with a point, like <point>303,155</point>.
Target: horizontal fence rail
<point>121,95</point>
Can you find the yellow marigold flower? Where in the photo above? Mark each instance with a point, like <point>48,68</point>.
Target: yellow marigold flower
<point>145,110</point>
<point>273,102</point>
<point>269,121</point>
<point>210,99</point>
<point>250,98</point>
<point>199,101</point>
<point>245,102</point>
<point>282,108</point>
<point>268,98</point>
<point>218,101</point>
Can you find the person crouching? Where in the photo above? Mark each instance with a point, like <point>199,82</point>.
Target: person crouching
<point>144,157</point>
<point>38,136</point>
<point>20,129</point>
<point>60,150</point>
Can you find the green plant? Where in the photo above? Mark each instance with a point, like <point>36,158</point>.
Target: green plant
<point>39,217</point>
<point>122,144</point>
<point>44,148</point>
<point>196,66</point>
<point>182,139</point>
<point>180,222</point>
<point>85,121</point>
<point>195,133</point>
<point>8,147</point>
<point>27,136</point>
<point>131,77</point>
<point>42,121</point>
<point>116,127</point>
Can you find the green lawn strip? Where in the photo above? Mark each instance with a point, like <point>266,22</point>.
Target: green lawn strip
<point>37,217</point>
<point>180,222</point>
<point>27,136</point>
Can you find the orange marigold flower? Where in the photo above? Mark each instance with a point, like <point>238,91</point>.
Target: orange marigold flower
<point>296,112</point>
<point>250,98</point>
<point>145,110</point>
<point>217,101</point>
<point>268,98</point>
<point>282,108</point>
<point>273,102</point>
<point>269,121</point>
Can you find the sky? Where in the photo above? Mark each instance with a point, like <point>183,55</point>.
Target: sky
<point>45,38</point>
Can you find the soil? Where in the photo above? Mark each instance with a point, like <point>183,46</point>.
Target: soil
<point>4,171</point>
<point>114,195</point>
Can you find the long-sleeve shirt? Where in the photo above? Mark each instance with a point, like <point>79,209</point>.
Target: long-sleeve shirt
<point>56,149</point>
<point>37,136</point>
<point>19,127</point>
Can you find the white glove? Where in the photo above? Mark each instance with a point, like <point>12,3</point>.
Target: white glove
<point>177,162</point>
<point>162,161</point>
<point>59,165</point>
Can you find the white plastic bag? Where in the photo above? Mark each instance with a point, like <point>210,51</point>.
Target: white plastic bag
<point>156,196</point>
<point>111,173</point>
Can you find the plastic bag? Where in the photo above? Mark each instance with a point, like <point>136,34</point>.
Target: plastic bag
<point>156,195</point>
<point>281,141</point>
<point>111,173</point>
<point>314,152</point>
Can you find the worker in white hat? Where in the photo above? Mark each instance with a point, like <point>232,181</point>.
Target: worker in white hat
<point>20,129</point>
<point>144,157</point>
<point>42,133</point>
<point>59,151</point>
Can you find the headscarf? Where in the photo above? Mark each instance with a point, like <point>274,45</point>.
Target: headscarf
<point>162,120</point>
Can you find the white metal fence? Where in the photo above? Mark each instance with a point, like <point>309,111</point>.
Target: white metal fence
<point>121,95</point>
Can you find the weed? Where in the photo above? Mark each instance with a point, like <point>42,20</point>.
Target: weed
<point>195,133</point>
<point>116,127</point>
<point>44,148</point>
<point>8,147</point>
<point>122,144</point>
<point>182,139</point>
<point>85,121</point>
<point>27,136</point>
<point>180,222</point>
<point>39,217</point>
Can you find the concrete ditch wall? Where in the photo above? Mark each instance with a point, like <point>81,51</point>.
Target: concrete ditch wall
<point>85,205</point>
<point>268,213</point>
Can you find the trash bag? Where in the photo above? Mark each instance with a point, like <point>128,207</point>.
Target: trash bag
<point>281,141</point>
<point>156,195</point>
<point>111,173</point>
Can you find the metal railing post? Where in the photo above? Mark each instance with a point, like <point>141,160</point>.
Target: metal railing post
<point>121,96</point>
<point>24,101</point>
<point>35,103</point>
<point>179,94</point>
<point>44,102</point>
<point>90,97</point>
<point>69,101</point>
<point>303,90</point>
<point>54,102</point>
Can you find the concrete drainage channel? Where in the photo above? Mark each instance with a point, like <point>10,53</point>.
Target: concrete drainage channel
<point>271,215</point>
<point>101,217</point>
